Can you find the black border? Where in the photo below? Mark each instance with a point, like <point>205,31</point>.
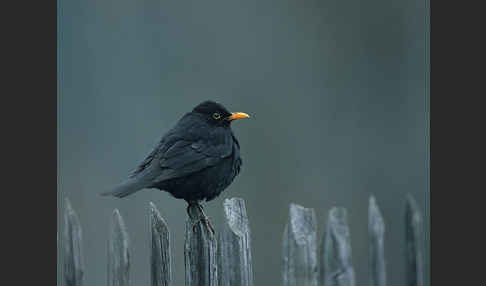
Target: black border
<point>29,141</point>
<point>457,144</point>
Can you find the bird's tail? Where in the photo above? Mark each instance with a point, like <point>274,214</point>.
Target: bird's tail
<point>126,188</point>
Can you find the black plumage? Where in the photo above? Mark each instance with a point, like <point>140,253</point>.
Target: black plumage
<point>195,160</point>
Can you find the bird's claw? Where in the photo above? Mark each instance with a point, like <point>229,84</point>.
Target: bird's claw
<point>206,221</point>
<point>202,218</point>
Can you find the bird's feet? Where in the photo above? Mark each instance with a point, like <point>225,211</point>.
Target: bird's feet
<point>203,218</point>
<point>206,221</point>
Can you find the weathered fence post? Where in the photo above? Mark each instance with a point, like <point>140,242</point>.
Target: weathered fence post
<point>336,266</point>
<point>234,248</point>
<point>118,254</point>
<point>160,264</point>
<point>73,250</point>
<point>299,248</point>
<point>376,232</point>
<point>199,251</point>
<point>413,240</point>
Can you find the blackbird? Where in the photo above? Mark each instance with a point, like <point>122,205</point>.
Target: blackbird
<point>195,160</point>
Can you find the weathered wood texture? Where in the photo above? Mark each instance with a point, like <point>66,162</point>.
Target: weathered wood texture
<point>73,250</point>
<point>160,259</point>
<point>414,241</point>
<point>118,252</point>
<point>230,264</point>
<point>336,265</point>
<point>299,248</point>
<point>234,246</point>
<point>376,232</point>
<point>199,251</point>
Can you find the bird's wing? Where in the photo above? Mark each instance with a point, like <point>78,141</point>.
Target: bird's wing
<point>184,150</point>
<point>146,162</point>
<point>185,157</point>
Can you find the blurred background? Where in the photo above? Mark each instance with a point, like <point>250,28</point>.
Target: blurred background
<point>337,94</point>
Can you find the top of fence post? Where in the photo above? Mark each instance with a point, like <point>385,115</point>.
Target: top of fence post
<point>376,233</point>
<point>234,248</point>
<point>299,247</point>
<point>336,266</point>
<point>160,259</point>
<point>73,250</point>
<point>199,251</point>
<point>118,252</point>
<point>414,242</point>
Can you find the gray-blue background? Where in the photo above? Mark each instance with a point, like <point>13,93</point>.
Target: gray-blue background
<point>336,90</point>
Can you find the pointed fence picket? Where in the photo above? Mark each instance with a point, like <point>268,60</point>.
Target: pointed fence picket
<point>225,259</point>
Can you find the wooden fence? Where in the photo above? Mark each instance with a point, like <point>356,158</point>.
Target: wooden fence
<point>227,259</point>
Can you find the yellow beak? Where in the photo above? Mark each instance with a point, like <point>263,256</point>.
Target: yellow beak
<point>238,115</point>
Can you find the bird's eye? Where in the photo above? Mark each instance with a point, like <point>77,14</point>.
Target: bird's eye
<point>216,115</point>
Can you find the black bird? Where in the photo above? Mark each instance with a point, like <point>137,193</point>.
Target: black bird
<point>196,160</point>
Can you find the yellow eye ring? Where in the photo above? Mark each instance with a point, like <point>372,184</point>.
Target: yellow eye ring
<point>216,115</point>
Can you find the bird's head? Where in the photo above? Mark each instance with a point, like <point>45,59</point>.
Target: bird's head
<point>217,114</point>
